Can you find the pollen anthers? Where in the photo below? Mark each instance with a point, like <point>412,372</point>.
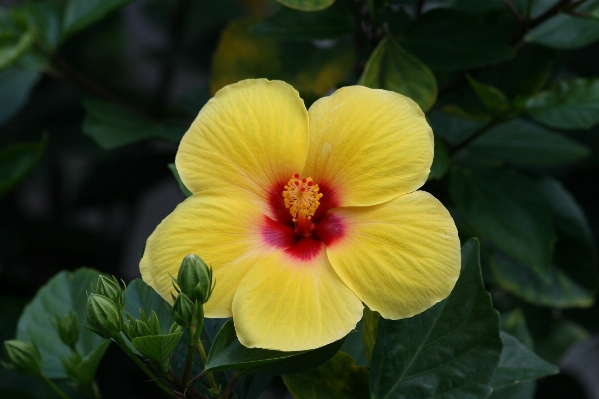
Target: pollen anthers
<point>301,197</point>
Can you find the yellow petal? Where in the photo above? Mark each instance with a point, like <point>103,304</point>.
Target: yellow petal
<point>223,229</point>
<point>368,146</point>
<point>289,304</point>
<point>400,257</point>
<point>252,135</point>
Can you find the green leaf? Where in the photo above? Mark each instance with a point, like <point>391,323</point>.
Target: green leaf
<point>139,295</point>
<point>522,143</point>
<point>490,96</point>
<point>451,128</point>
<point>561,335</point>
<point>390,67</point>
<point>526,390</point>
<point>11,52</point>
<point>45,20</point>
<point>227,353</point>
<point>16,161</point>
<point>354,346</point>
<point>87,367</point>
<point>451,350</point>
<point>289,24</point>
<point>440,162</point>
<point>307,5</point>
<point>339,378</point>
<point>447,40</point>
<point>514,323</point>
<point>312,70</point>
<point>251,386</point>
<point>157,347</point>
<point>565,32</point>
<point>79,14</point>
<point>64,292</point>
<point>175,172</point>
<point>112,126</point>
<point>570,104</point>
<point>519,364</point>
<point>507,208</point>
<point>15,86</point>
<point>370,323</point>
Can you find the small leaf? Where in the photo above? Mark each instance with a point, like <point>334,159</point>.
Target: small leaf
<point>339,378</point>
<point>227,353</point>
<point>139,295</point>
<point>450,350</point>
<point>490,96</point>
<point>390,67</point>
<point>448,40</point>
<point>507,208</point>
<point>65,292</point>
<point>16,161</point>
<point>522,143</point>
<point>307,5</point>
<point>175,172</point>
<point>157,347</point>
<point>79,14</point>
<point>87,367</point>
<point>289,24</point>
<point>112,126</point>
<point>441,161</point>
<point>519,364</point>
<point>570,104</point>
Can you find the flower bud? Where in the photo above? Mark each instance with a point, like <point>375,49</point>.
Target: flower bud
<point>195,279</point>
<point>103,316</point>
<point>111,289</point>
<point>68,329</point>
<point>23,357</point>
<point>184,311</point>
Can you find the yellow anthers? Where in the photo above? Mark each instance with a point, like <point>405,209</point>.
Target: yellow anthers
<point>301,197</point>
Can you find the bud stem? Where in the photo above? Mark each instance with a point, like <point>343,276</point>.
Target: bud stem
<point>121,342</point>
<point>194,337</point>
<point>204,357</point>
<point>54,387</point>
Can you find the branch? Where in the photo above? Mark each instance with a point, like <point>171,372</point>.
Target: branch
<point>515,11</point>
<point>229,387</point>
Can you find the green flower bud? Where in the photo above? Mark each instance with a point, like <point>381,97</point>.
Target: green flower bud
<point>195,279</point>
<point>23,357</point>
<point>184,311</point>
<point>103,316</point>
<point>68,329</point>
<point>111,289</point>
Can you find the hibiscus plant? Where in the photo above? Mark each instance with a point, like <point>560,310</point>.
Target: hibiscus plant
<point>371,197</point>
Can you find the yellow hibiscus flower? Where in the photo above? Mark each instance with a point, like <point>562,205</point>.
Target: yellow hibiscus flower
<point>306,214</point>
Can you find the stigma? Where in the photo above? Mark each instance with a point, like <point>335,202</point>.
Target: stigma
<point>301,197</point>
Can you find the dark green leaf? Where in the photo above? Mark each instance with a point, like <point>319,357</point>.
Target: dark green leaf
<point>519,364</point>
<point>184,189</point>
<point>289,24</point>
<point>475,6</point>
<point>447,40</point>
<point>45,20</point>
<point>339,378</point>
<point>449,351</point>
<point>65,292</point>
<point>565,32</point>
<point>570,104</point>
<point>16,161</point>
<point>507,208</point>
<point>370,323</point>
<point>562,334</point>
<point>514,323</point>
<point>354,346</point>
<point>139,295</point>
<point>15,86</point>
<point>87,367</point>
<point>251,386</point>
<point>157,347</point>
<point>112,126</point>
<point>227,353</point>
<point>522,143</point>
<point>441,161</point>
<point>307,5</point>
<point>526,390</point>
<point>490,96</point>
<point>451,128</point>
<point>390,67</point>
<point>79,14</point>
<point>10,52</point>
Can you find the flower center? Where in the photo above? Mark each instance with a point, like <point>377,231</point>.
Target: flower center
<point>301,197</point>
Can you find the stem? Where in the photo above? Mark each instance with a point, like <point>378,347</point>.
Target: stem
<point>211,379</point>
<point>514,11</point>
<point>229,387</point>
<point>54,387</point>
<point>191,336</point>
<point>120,342</point>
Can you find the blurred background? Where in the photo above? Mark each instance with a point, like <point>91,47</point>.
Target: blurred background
<point>90,121</point>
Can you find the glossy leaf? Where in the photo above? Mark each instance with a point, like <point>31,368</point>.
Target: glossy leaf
<point>16,161</point>
<point>392,68</point>
<point>490,96</point>
<point>112,126</point>
<point>565,31</point>
<point>227,353</point>
<point>65,292</point>
<point>451,128</point>
<point>447,40</point>
<point>507,208</point>
<point>289,24</point>
<point>440,161</point>
<point>570,104</point>
<point>339,378</point>
<point>79,14</point>
<point>522,143</point>
<point>307,5</point>
<point>15,86</point>
<point>312,70</point>
<point>139,295</point>
<point>519,364</point>
<point>173,169</point>
<point>157,347</point>
<point>449,351</point>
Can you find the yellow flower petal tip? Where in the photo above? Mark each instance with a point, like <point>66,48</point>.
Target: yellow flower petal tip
<point>305,215</point>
